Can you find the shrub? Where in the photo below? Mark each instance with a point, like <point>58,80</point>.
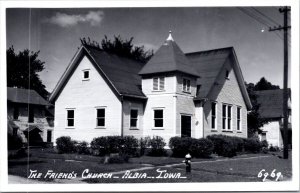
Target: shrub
<point>143,145</point>
<point>157,145</point>
<point>252,145</point>
<point>264,144</point>
<point>273,148</point>
<point>64,144</point>
<point>82,147</point>
<point>196,147</point>
<point>114,144</point>
<point>14,141</point>
<point>201,148</point>
<point>128,145</point>
<point>226,146</point>
<point>180,146</point>
<point>118,159</point>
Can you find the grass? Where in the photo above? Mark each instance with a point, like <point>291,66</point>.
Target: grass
<point>216,169</point>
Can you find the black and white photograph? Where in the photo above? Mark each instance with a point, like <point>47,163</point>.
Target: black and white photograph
<point>160,96</point>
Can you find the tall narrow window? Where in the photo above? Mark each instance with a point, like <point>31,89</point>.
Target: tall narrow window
<point>30,114</point>
<point>186,85</point>
<point>101,117</point>
<point>198,90</point>
<point>229,117</point>
<point>70,117</point>
<point>213,115</point>
<point>238,118</point>
<point>16,112</point>
<point>159,83</point>
<point>133,118</point>
<point>224,116</point>
<point>158,118</point>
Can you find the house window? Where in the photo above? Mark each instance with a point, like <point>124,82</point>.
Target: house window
<point>226,116</point>
<point>229,117</point>
<point>198,90</point>
<point>238,118</point>
<point>158,118</point>
<point>16,112</point>
<point>227,74</point>
<point>158,83</point>
<point>101,117</point>
<point>70,117</point>
<point>213,115</point>
<point>30,114</point>
<point>186,86</point>
<point>133,118</point>
<point>86,74</point>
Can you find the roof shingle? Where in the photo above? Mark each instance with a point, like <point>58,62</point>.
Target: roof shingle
<point>20,95</point>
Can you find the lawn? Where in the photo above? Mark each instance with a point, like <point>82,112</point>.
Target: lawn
<point>217,169</point>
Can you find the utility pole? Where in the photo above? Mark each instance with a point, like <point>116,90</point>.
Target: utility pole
<point>285,28</point>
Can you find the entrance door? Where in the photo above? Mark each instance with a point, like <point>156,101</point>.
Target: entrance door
<point>185,126</point>
<point>49,136</point>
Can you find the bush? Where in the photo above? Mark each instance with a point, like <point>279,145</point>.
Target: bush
<point>143,145</point>
<point>252,145</point>
<point>264,144</point>
<point>196,147</point>
<point>201,148</point>
<point>82,148</point>
<point>274,148</point>
<point>114,144</point>
<point>157,145</point>
<point>14,142</point>
<point>118,159</point>
<point>64,144</point>
<point>180,146</point>
<point>128,145</point>
<point>226,146</point>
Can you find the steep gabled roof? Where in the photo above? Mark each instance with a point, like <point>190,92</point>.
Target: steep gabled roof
<point>209,64</point>
<point>271,103</point>
<point>21,95</point>
<point>168,58</point>
<point>120,73</point>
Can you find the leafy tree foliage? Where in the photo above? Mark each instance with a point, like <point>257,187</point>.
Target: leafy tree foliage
<point>23,69</point>
<point>121,47</point>
<point>263,84</point>
<point>255,121</point>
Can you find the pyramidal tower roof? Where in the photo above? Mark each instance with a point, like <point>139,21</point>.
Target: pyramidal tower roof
<point>168,58</point>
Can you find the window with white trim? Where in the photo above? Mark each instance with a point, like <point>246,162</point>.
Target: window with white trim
<point>133,118</point>
<point>158,118</point>
<point>213,115</point>
<point>238,118</point>
<point>70,117</point>
<point>159,83</point>
<point>229,117</point>
<point>186,85</point>
<point>86,74</point>
<point>100,119</point>
<point>223,116</point>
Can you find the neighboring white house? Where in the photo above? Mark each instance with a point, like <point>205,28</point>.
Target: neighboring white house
<point>174,94</point>
<point>271,109</point>
<point>28,117</point>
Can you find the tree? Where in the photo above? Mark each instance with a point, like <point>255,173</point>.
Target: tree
<point>263,84</point>
<point>23,69</point>
<point>255,121</point>
<point>121,47</point>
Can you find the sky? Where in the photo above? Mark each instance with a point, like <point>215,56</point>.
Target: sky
<point>56,33</point>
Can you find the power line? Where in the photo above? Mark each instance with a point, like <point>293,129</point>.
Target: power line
<point>258,19</point>
<point>272,20</point>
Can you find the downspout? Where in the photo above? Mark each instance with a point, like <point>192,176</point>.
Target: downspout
<point>122,116</point>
